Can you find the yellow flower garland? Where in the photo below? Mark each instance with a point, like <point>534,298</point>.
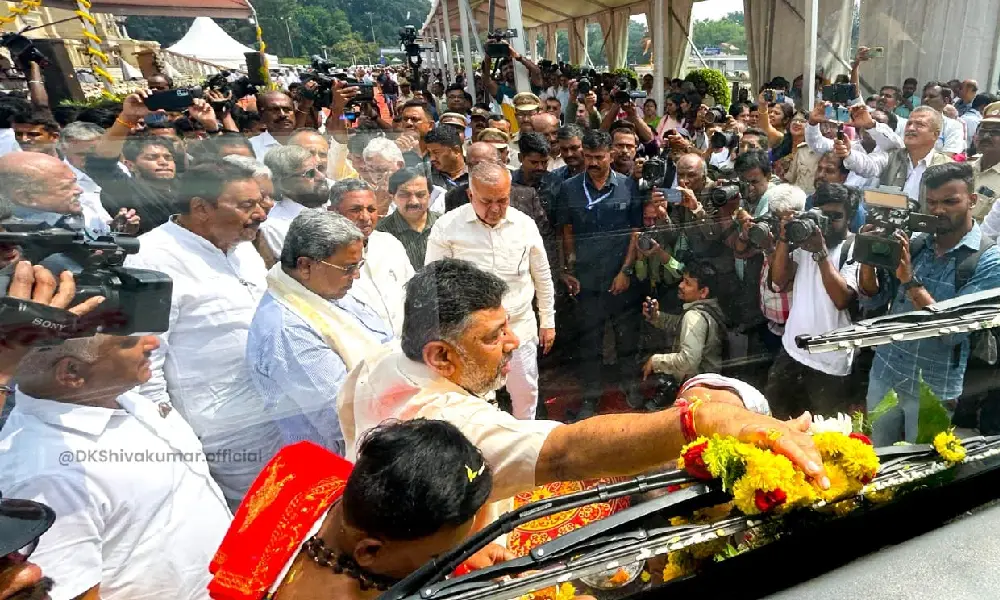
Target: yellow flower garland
<point>762,481</point>
<point>949,446</point>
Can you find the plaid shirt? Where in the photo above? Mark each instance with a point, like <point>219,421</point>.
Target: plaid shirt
<point>940,360</point>
<point>775,305</point>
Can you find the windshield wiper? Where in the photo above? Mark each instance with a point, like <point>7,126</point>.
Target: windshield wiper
<point>964,314</point>
<point>437,569</point>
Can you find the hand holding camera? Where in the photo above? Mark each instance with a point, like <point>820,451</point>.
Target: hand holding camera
<point>651,309</point>
<point>841,149</point>
<point>134,107</point>
<point>904,272</point>
<point>861,118</point>
<point>689,200</point>
<point>818,114</point>
<point>343,94</point>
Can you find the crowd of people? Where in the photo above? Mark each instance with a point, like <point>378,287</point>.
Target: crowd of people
<point>353,282</point>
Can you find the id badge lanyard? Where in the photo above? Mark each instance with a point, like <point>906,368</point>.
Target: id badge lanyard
<point>591,202</point>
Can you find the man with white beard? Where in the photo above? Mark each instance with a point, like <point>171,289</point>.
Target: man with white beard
<point>457,347</point>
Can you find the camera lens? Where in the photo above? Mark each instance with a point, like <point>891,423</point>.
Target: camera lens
<point>759,234</point>
<point>645,242</point>
<point>799,230</point>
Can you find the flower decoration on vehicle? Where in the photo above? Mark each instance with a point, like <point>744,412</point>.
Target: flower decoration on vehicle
<point>949,447</point>
<point>761,481</point>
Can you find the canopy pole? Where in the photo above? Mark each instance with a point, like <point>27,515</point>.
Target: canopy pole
<point>438,63</point>
<point>449,40</point>
<point>514,21</point>
<point>659,56</point>
<point>470,76</point>
<point>812,33</point>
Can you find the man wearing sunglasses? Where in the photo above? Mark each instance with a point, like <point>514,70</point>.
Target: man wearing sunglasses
<point>823,281</point>
<point>300,181</point>
<point>22,522</point>
<point>308,333</point>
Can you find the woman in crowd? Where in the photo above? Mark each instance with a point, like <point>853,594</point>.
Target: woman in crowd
<point>649,113</point>
<point>775,121</point>
<point>673,115</point>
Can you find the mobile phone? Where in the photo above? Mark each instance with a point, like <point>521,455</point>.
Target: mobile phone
<point>769,95</point>
<point>876,52</point>
<point>672,195</point>
<point>173,100</point>
<point>831,113</point>
<point>843,114</point>
<point>779,97</point>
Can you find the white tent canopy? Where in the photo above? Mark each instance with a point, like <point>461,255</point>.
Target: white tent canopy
<point>208,42</point>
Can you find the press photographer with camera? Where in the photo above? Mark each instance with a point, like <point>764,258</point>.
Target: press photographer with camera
<point>506,88</point>
<point>582,96</point>
<point>955,261</point>
<point>813,259</point>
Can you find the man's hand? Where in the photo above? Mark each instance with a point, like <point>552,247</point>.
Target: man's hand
<point>546,338</point>
<point>571,282</point>
<point>408,142</point>
<point>788,438</point>
<point>862,54</point>
<point>37,284</point>
<point>590,101</point>
<point>342,96</point>
<point>647,368</point>
<point>904,272</point>
<point>818,114</point>
<point>134,107</point>
<point>861,118</point>
<point>619,284</point>
<point>841,149</point>
<point>490,555</point>
<point>126,221</point>
<point>651,309</point>
<point>637,167</point>
<point>203,112</point>
<point>815,242</point>
<point>689,200</point>
<point>654,248</point>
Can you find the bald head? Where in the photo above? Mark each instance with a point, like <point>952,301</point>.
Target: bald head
<point>489,192</point>
<point>691,172</point>
<point>39,182</point>
<point>312,141</point>
<point>480,152</point>
<point>547,125</point>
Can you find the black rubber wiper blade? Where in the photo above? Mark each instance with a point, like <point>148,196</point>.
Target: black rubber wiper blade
<point>440,567</point>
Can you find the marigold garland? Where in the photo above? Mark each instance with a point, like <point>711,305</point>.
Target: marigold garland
<point>564,591</point>
<point>949,446</point>
<point>764,482</point>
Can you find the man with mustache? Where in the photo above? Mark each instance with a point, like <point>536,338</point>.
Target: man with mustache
<point>506,242</point>
<point>412,219</point>
<point>458,345</point>
<point>381,284</point>
<point>824,289</point>
<point>444,145</point>
<point>43,187</point>
<point>218,280</point>
<point>308,333</point>
<point>277,114</point>
<point>986,166</point>
<point>300,182</point>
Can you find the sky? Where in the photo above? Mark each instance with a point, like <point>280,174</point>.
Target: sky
<point>708,9</point>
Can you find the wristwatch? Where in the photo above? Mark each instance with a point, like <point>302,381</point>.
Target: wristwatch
<point>629,270</point>
<point>820,256</point>
<point>912,284</point>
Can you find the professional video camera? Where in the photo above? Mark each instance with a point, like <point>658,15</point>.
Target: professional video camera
<point>763,229</point>
<point>320,72</point>
<point>22,50</point>
<point>889,210</point>
<point>583,86</point>
<point>654,174</point>
<point>496,46</point>
<point>725,191</point>
<point>408,40</point>
<point>232,85</point>
<point>135,299</point>
<point>797,230</point>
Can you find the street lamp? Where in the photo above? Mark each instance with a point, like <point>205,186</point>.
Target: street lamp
<point>372,23</point>
<point>291,46</point>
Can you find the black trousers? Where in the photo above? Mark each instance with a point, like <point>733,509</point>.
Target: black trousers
<point>624,311</point>
<point>793,388</point>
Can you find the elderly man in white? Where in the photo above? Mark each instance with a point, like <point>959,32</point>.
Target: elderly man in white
<point>138,514</point>
<point>219,278</point>
<point>299,182</point>
<point>382,282</point>
<point>308,333</point>
<point>504,241</point>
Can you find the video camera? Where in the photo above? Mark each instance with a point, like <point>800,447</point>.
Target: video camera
<point>798,230</point>
<point>625,93</point>
<point>725,191</point>
<point>654,174</point>
<point>716,114</point>
<point>325,81</point>
<point>495,43</point>
<point>135,299</point>
<point>231,85</point>
<point>889,210</point>
<point>23,51</point>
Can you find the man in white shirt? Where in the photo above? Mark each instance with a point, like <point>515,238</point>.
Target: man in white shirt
<point>824,282</point>
<point>300,181</point>
<point>138,511</point>
<point>41,187</point>
<point>218,280</point>
<point>504,241</point>
<point>951,137</point>
<point>381,285</point>
<point>277,113</point>
<point>901,167</point>
<point>457,347</point>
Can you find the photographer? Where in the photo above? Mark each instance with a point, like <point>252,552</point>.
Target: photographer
<point>700,329</point>
<point>821,134</point>
<point>585,100</point>
<point>823,282</point>
<point>955,261</point>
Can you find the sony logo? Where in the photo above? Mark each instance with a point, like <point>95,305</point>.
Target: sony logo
<point>48,324</point>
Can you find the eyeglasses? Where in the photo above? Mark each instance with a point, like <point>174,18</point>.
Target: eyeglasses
<point>348,270</point>
<point>988,133</point>
<point>834,216</point>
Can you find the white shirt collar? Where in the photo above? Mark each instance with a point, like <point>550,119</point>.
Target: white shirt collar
<point>186,236</point>
<point>89,420</point>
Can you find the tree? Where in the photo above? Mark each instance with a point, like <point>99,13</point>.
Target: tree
<point>713,32</point>
<point>637,32</point>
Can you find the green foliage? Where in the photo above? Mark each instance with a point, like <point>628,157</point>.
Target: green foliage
<point>889,402</point>
<point>715,32</point>
<point>300,28</point>
<point>105,100</point>
<point>715,82</point>
<point>932,418</point>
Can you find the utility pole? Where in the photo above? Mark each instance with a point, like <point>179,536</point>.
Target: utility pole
<point>291,46</point>
<point>374,41</point>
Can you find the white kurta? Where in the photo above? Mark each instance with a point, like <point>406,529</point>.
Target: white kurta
<point>382,283</point>
<point>137,511</point>
<point>200,366</point>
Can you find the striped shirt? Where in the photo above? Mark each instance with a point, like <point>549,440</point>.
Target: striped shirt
<point>414,242</point>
